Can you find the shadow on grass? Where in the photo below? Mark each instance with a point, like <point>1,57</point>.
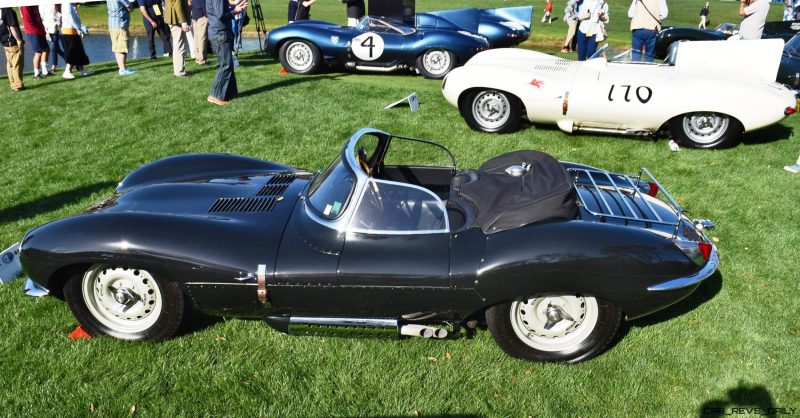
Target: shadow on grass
<point>704,293</point>
<point>766,135</point>
<point>284,83</point>
<point>745,396</point>
<point>50,203</point>
<point>197,322</point>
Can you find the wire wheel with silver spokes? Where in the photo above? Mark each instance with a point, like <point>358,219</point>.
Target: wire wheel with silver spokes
<point>300,57</point>
<point>124,302</point>
<point>123,299</point>
<point>705,129</point>
<point>554,323</point>
<point>436,63</point>
<point>559,327</point>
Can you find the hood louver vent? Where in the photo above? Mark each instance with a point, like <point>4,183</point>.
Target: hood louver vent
<point>276,185</point>
<point>244,204</point>
<point>557,66</point>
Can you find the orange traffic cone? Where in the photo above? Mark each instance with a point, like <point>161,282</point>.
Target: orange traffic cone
<point>282,71</point>
<point>79,334</point>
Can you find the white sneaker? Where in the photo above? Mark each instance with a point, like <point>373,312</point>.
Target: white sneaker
<point>792,168</point>
<point>84,73</point>
<point>68,76</point>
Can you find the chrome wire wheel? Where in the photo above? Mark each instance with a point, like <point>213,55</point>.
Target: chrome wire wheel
<point>300,56</point>
<point>125,300</point>
<point>554,322</point>
<point>705,128</point>
<point>436,62</point>
<point>491,109</point>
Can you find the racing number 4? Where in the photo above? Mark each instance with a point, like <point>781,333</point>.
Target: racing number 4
<point>642,93</point>
<point>368,42</point>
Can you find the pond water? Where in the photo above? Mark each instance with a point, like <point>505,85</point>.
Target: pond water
<point>98,48</point>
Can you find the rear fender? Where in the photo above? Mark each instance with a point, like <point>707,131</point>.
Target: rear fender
<point>612,262</point>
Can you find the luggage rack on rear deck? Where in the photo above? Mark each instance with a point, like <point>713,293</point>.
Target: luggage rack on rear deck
<point>614,182</point>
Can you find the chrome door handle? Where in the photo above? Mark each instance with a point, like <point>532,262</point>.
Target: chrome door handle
<point>248,277</point>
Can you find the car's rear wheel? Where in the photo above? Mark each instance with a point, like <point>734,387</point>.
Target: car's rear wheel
<point>125,303</point>
<point>554,327</point>
<point>491,110</point>
<point>705,129</point>
<point>436,63</point>
<point>299,57</point>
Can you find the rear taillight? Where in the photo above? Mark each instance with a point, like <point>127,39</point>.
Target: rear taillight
<point>699,252</point>
<point>653,188</point>
<point>789,111</point>
<point>705,249</point>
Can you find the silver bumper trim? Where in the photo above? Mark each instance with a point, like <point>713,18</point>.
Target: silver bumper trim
<point>687,281</point>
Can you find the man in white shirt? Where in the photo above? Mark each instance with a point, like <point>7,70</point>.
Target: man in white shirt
<point>755,14</point>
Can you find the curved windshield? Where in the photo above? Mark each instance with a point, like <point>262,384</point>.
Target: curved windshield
<point>373,24</point>
<point>792,48</point>
<point>330,191</point>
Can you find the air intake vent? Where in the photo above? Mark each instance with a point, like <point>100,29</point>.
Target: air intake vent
<point>244,204</point>
<point>557,66</point>
<point>276,185</point>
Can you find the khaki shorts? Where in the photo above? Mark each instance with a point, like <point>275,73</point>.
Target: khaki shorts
<point>119,40</point>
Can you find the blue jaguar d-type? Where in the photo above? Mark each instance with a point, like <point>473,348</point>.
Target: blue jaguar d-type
<point>431,44</point>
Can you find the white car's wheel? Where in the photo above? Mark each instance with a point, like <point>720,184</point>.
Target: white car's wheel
<point>491,110</point>
<point>436,63</point>
<point>125,303</point>
<point>705,129</point>
<point>554,327</point>
<point>299,57</point>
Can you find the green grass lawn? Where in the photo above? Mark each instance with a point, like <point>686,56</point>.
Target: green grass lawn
<point>65,144</point>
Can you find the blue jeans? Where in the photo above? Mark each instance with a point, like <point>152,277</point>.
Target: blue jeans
<point>56,49</point>
<point>224,86</point>
<point>640,38</point>
<point>587,46</point>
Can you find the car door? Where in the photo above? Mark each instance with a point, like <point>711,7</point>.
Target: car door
<point>619,95</point>
<point>379,44</point>
<point>396,255</point>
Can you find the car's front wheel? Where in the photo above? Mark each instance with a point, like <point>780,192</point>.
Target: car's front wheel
<point>491,110</point>
<point>706,129</point>
<point>555,328</point>
<point>436,63</point>
<point>125,303</point>
<point>299,57</point>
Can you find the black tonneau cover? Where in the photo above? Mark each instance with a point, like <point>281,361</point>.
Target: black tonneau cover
<point>504,201</point>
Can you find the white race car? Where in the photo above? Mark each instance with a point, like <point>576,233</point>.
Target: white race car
<point>705,93</point>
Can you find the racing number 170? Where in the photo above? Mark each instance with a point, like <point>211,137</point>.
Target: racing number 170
<point>643,93</point>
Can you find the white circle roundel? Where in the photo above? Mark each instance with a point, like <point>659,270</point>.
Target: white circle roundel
<point>367,46</point>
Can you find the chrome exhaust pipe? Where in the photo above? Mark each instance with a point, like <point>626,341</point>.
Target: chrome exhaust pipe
<point>354,327</point>
<point>417,331</point>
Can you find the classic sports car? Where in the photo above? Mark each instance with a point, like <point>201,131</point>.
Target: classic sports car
<point>502,27</point>
<point>702,94</point>
<point>390,239</point>
<point>671,34</point>
<point>431,44</point>
<point>789,70</point>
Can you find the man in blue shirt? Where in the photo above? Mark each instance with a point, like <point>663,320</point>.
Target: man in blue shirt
<point>119,19</point>
<point>220,33</point>
<point>153,19</point>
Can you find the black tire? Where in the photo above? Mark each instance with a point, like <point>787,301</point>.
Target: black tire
<point>167,298</point>
<point>299,56</point>
<point>436,63</point>
<point>705,129</point>
<point>577,345</point>
<point>476,106</point>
